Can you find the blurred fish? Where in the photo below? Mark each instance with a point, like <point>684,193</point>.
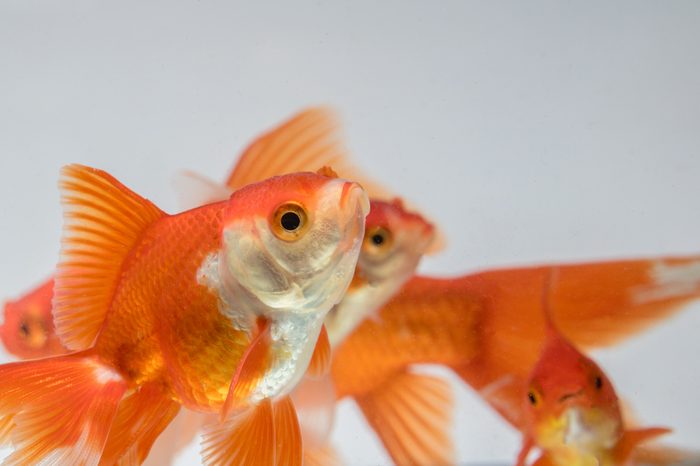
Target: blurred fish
<point>218,309</point>
<point>572,413</point>
<point>489,328</point>
<point>27,330</point>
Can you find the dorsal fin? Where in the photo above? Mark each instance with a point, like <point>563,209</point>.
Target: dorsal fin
<point>308,140</point>
<point>103,220</point>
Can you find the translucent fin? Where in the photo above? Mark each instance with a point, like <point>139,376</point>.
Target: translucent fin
<point>320,362</point>
<point>631,439</point>
<point>250,369</point>
<point>58,410</point>
<point>194,190</point>
<point>306,142</point>
<point>181,432</point>
<point>102,222</point>
<point>321,456</point>
<point>140,420</point>
<point>264,435</point>
<point>411,414</point>
<point>314,399</point>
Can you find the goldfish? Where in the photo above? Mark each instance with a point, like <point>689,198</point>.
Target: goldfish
<point>571,410</point>
<point>28,331</point>
<point>488,327</point>
<point>395,237</point>
<point>219,309</point>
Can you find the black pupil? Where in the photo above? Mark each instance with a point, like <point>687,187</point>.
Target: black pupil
<point>24,329</point>
<point>598,383</point>
<point>378,239</point>
<point>290,221</point>
<point>532,398</point>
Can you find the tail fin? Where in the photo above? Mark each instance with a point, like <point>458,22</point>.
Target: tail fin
<point>411,414</point>
<point>103,220</point>
<point>595,305</point>
<point>58,410</point>
<point>140,420</point>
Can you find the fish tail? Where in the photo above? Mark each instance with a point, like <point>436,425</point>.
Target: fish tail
<point>411,414</point>
<point>141,418</point>
<point>58,410</point>
<point>266,434</point>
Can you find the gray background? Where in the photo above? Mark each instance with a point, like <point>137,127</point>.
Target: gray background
<point>529,131</point>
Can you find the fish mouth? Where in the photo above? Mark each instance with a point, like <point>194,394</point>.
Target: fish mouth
<point>589,429</point>
<point>353,193</point>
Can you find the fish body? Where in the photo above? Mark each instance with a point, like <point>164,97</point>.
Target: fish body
<point>218,309</point>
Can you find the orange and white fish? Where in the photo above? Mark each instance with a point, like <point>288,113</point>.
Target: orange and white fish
<point>489,328</point>
<point>27,330</point>
<point>218,309</point>
<point>572,413</point>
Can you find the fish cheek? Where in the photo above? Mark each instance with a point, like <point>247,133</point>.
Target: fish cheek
<point>248,263</point>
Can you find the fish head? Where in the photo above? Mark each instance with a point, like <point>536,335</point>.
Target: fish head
<point>28,331</point>
<point>571,403</point>
<point>394,243</point>
<point>291,242</point>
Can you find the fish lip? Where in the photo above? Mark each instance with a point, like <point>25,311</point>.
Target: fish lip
<point>352,192</point>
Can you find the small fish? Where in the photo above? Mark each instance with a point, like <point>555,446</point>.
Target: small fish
<point>28,331</point>
<point>218,309</point>
<point>572,413</point>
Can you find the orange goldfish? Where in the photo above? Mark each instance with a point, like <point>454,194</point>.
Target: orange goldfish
<point>571,409</point>
<point>28,331</point>
<point>489,328</point>
<point>218,309</point>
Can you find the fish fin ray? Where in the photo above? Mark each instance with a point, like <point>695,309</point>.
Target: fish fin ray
<point>322,456</point>
<point>320,362</point>
<point>631,439</point>
<point>102,221</point>
<point>141,418</point>
<point>58,410</point>
<point>250,368</point>
<point>266,434</point>
<point>411,414</point>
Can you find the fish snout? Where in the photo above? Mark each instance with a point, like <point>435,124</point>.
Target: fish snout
<point>353,194</point>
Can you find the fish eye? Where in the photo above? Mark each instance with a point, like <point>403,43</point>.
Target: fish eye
<point>24,329</point>
<point>290,221</point>
<point>377,239</point>
<point>598,382</point>
<point>532,397</point>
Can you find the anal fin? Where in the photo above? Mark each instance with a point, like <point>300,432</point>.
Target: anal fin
<point>411,413</point>
<point>264,435</point>
<point>140,420</point>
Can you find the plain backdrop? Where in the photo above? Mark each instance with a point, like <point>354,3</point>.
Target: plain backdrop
<point>530,131</point>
